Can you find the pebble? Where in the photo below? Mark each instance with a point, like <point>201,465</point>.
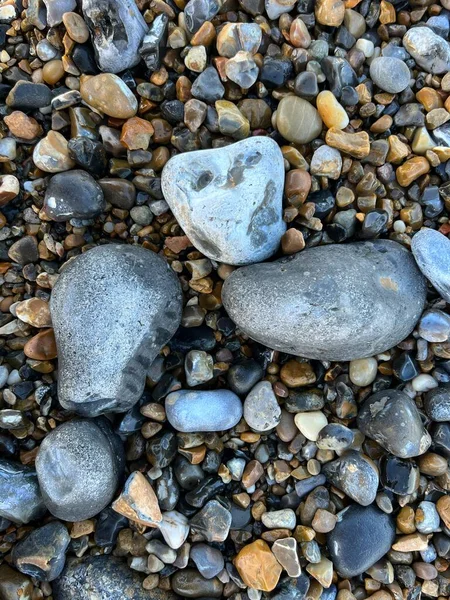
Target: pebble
<point>392,419</point>
<point>76,27</point>
<point>207,86</point>
<point>188,583</point>
<point>191,411</point>
<point>399,476</point>
<point>138,501</point>
<point>14,585</point>
<point>355,475</point>
<point>174,528</point>
<point>29,96</point>
<point>276,8</point>
<point>22,126</point>
<point>198,367</point>
<point>8,149</point>
<point>297,120</point>
<point>363,371</point>
<point>237,37</point>
<point>431,250</point>
<point>9,188</point>
<point>429,50</point>
<point>258,567</point>
<point>322,571</point>
<point>153,42</point>
<point>243,375</point>
<point>353,554</point>
<point>261,410</point>
<point>234,196</point>
<point>335,436</point>
<point>427,518</point>
<point>437,403</point>
<point>286,553</point>
<point>124,289</point>
<point>93,456</point>
<point>279,519</point>
<point>326,162</point>
<point>109,94</point>
<point>212,522</point>
<point>73,195</point>
<point>434,326</point>
<point>331,112</point>
<point>390,74</point>
<point>330,12</point>
<point>242,69</point>
<point>209,561</point>
<point>355,144</point>
<point>347,332</point>
<point>20,496</point>
<point>310,423</point>
<point>35,312</point>
<point>42,554</point>
<point>51,154</point>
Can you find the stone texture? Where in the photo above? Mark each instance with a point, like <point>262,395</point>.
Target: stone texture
<point>51,154</point>
<point>113,309</point>
<point>258,567</point>
<point>228,200</point>
<point>363,299</point>
<point>20,496</point>
<point>431,250</point>
<point>390,74</point>
<point>429,50</point>
<point>138,501</point>
<point>261,409</point>
<point>331,112</point>
<point>437,403</point>
<point>355,475</point>
<point>153,41</point>
<point>35,312</point>
<point>73,195</point>
<point>236,37</point>
<point>79,465</point>
<point>191,411</point>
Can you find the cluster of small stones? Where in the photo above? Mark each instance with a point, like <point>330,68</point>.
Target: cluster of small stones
<point>274,428</point>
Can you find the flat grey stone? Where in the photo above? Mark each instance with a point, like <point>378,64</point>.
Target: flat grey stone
<point>355,475</point>
<point>191,411</point>
<point>113,309</point>
<point>392,419</point>
<point>79,465</point>
<point>20,496</point>
<point>429,50</point>
<point>228,200</point>
<point>390,74</point>
<point>336,302</point>
<point>117,29</point>
<point>56,9</point>
<point>431,250</point>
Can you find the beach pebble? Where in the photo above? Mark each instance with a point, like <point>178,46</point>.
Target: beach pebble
<point>190,411</point>
<point>261,409</point>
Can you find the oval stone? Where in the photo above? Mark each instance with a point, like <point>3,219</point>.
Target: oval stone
<point>228,200</point>
<point>431,250</point>
<point>429,50</point>
<point>73,195</point>
<point>336,302</point>
<point>20,497</point>
<point>110,94</point>
<point>437,403</point>
<point>189,411</point>
<point>390,74</point>
<point>297,120</point>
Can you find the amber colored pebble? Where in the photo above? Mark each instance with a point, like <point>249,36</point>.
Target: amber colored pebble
<point>297,374</point>
<point>443,508</point>
<point>53,71</point>
<point>162,131</point>
<point>398,150</point>
<point>387,13</point>
<point>183,89</point>
<point>159,158</point>
<point>23,126</point>
<point>42,346</point>
<point>382,124</point>
<point>405,520</point>
<point>292,241</point>
<point>205,35</point>
<point>297,187</point>
<point>258,567</point>
<point>329,12</point>
<point>429,98</point>
<point>354,144</point>
<point>411,170</point>
<point>136,134</point>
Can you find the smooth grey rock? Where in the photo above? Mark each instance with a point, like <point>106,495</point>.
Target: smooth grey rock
<point>276,519</point>
<point>113,309</point>
<point>361,537</point>
<point>79,466</point>
<point>191,411</point>
<point>150,49</point>
<point>56,9</point>
<point>209,561</point>
<point>42,554</point>
<point>228,200</point>
<point>429,50</point>
<point>337,302</point>
<point>196,12</point>
<point>103,578</point>
<point>73,195</point>
<point>261,409</point>
<point>208,86</point>
<point>392,419</point>
<point>437,403</point>
<point>335,436</point>
<point>117,29</point>
<point>390,74</point>
<point>434,326</point>
<point>431,250</point>
<point>213,522</point>
<point>355,475</point>
<point>429,520</point>
<point>20,496</point>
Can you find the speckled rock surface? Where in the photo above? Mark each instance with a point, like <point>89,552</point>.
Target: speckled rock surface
<point>20,497</point>
<point>431,250</point>
<point>331,302</point>
<point>390,74</point>
<point>229,200</point>
<point>355,475</point>
<point>79,466</point>
<point>113,308</point>
<point>437,403</point>
<point>429,50</point>
<point>190,411</point>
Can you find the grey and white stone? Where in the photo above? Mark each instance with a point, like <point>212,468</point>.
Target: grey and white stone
<point>242,69</point>
<point>199,367</point>
<point>427,518</point>
<point>196,12</point>
<point>431,250</point>
<point>228,200</point>
<point>73,195</point>
<point>337,302</point>
<point>275,8</point>
<point>20,496</point>
<point>174,528</point>
<point>153,41</point>
<point>437,403</point>
<point>392,419</point>
<point>361,537</point>
<point>209,410</point>
<point>79,466</point>
<point>335,436</point>
<point>275,519</point>
<point>117,29</point>
<point>209,561</point>
<point>390,74</point>
<point>429,50</point>
<point>355,475</point>
<point>434,326</point>
<point>213,522</point>
<point>56,9</point>
<point>261,409</point>
<point>113,309</point>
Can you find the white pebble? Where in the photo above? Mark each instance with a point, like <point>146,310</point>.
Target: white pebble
<point>3,375</point>
<point>363,371</point>
<point>366,46</point>
<point>423,383</point>
<point>399,226</point>
<point>14,377</point>
<point>310,423</point>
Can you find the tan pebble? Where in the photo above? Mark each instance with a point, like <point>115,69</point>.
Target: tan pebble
<point>387,13</point>
<point>9,189</point>
<point>398,150</point>
<point>363,371</point>
<point>406,520</point>
<point>196,59</point>
<point>443,152</point>
<point>330,12</point>
<point>332,113</point>
<point>415,542</point>
<point>445,82</point>
<point>81,528</point>
<point>382,124</point>
<point>429,98</point>
<point>297,186</point>
<point>299,34</point>
<point>252,472</point>
<point>231,121</point>
<point>297,374</point>
<point>411,170</point>
<point>258,567</point>
<point>136,134</point>
<point>354,144</point>
<point>53,71</point>
<point>422,141</point>
<point>109,94</point>
<point>297,120</point>
<point>51,154</point>
<point>76,27</point>
<point>42,346</point>
<point>292,241</point>
<point>35,312</point>
<point>443,508</point>
<point>138,501</point>
<point>324,521</point>
<point>322,571</point>
<point>22,126</point>
<point>205,35</point>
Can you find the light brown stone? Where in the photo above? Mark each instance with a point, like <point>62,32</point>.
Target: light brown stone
<point>76,27</point>
<point>136,133</point>
<point>292,241</point>
<point>258,567</point>
<point>51,154</point>
<point>35,312</point>
<point>354,144</point>
<point>330,12</point>
<point>138,501</point>
<point>297,374</point>
<point>411,170</point>
<point>53,71</point>
<point>415,542</point>
<point>42,346</point>
<point>297,120</point>
<point>387,13</point>
<point>443,508</point>
<point>331,111</point>
<point>9,188</point>
<point>322,571</point>
<point>109,94</point>
<point>299,34</point>
<point>22,126</point>
<point>429,98</point>
<point>405,520</point>
<point>398,150</point>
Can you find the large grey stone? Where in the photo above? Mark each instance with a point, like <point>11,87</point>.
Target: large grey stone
<point>429,50</point>
<point>431,250</point>
<point>79,466</point>
<point>215,410</point>
<point>390,74</point>
<point>56,9</point>
<point>336,302</point>
<point>113,309</point>
<point>20,497</point>
<point>103,578</point>
<point>228,200</point>
<point>117,29</point>
<point>392,419</point>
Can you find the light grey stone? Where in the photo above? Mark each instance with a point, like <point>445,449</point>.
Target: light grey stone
<point>20,496</point>
<point>355,475</point>
<point>117,29</point>
<point>390,74</point>
<point>429,50</point>
<point>113,309</point>
<point>79,465</point>
<point>275,8</point>
<point>150,49</point>
<point>337,302</point>
<point>392,419</point>
<point>228,200</point>
<point>261,409</point>
<point>429,521</point>
<point>209,561</point>
<point>56,9</point>
<point>242,69</point>
<point>214,410</point>
<point>431,250</point>
<point>284,519</point>
<point>199,367</point>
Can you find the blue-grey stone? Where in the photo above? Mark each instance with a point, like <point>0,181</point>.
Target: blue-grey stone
<point>228,200</point>
<point>431,250</point>
<point>336,302</point>
<point>390,74</point>
<point>113,309</point>
<point>355,475</point>
<point>214,410</point>
<point>434,326</point>
<point>429,50</point>
<point>437,403</point>
<point>427,518</point>
<point>20,496</point>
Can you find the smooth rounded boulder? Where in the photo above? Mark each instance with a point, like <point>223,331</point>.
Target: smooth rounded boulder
<point>334,302</point>
<point>113,309</point>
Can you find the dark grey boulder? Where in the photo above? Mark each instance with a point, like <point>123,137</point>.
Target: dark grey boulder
<point>113,309</point>
<point>437,403</point>
<point>336,302</point>
<point>73,195</point>
<point>431,250</point>
<point>20,496</point>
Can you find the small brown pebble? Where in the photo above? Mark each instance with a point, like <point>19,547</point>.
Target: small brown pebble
<point>398,150</point>
<point>252,472</point>
<point>42,346</point>
<point>354,144</point>
<point>415,542</point>
<point>53,71</point>
<point>425,571</point>
<point>411,170</point>
<point>136,134</point>
<point>258,567</point>
<point>292,241</point>
<point>330,12</point>
<point>35,312</point>
<point>405,520</point>
<point>205,35</point>
<point>443,508</point>
<point>429,98</point>
<point>323,521</point>
<point>297,186</point>
<point>382,124</point>
<point>76,27</point>
<point>387,12</point>
<point>432,464</point>
<point>332,113</point>
<point>297,374</point>
<point>138,501</point>
<point>22,126</point>
<point>81,528</point>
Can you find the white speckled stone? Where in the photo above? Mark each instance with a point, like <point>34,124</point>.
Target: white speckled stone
<point>261,409</point>
<point>337,302</point>
<point>429,50</point>
<point>431,250</point>
<point>228,200</point>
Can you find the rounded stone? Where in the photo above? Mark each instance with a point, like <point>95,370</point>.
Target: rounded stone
<point>363,371</point>
<point>429,50</point>
<point>51,154</point>
<point>79,465</point>
<point>337,302</point>
<point>73,195</point>
<point>332,113</point>
<point>192,411</point>
<point>390,74</point>
<point>434,326</point>
<point>355,475</point>
<point>20,496</point>
<point>431,250</point>
<point>297,120</point>
<point>437,403</point>
<point>109,94</point>
<point>311,423</point>
<point>335,436</point>
<point>261,409</point>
